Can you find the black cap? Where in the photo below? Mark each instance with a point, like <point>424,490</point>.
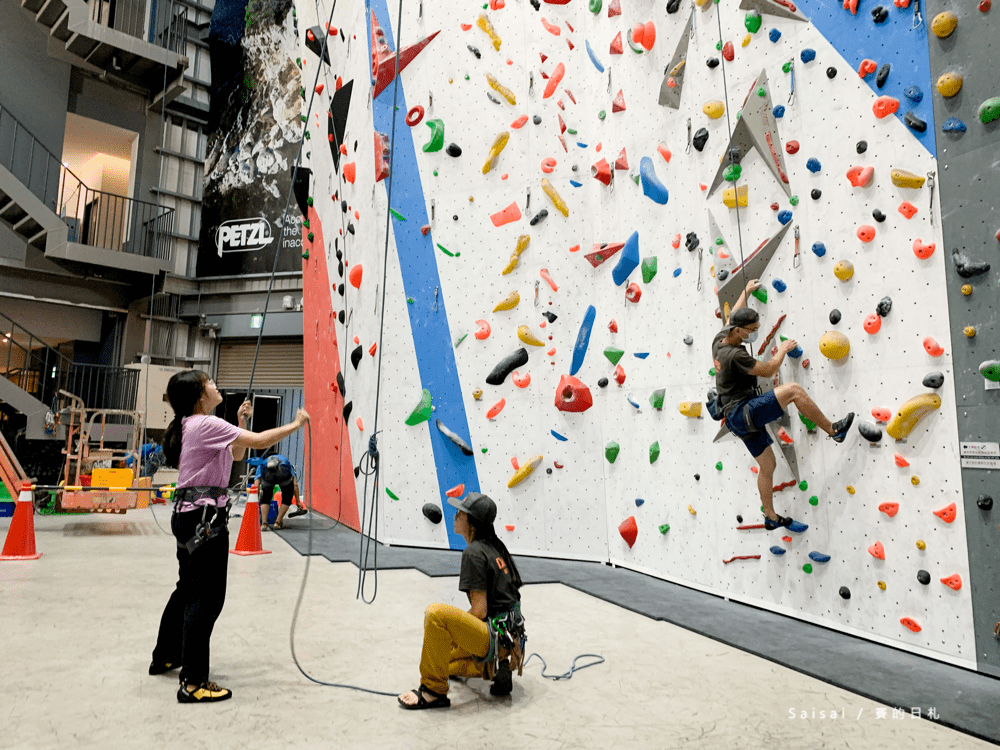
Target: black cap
<point>479,506</point>
<point>741,318</point>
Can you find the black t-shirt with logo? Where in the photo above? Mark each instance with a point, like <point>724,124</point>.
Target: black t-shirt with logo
<point>732,371</point>
<point>484,569</point>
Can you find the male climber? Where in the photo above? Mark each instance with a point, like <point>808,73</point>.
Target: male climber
<point>747,410</point>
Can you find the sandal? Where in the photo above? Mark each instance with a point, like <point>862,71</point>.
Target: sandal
<point>776,524</point>
<point>297,513</point>
<point>279,525</point>
<point>440,701</point>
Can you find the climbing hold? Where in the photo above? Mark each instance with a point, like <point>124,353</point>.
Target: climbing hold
<point>968,268</point>
<point>506,216</point>
<point>422,411</point>
<point>654,451</point>
<point>457,491</point>
<point>619,375</point>
<point>700,139</point>
<point>602,383</point>
<point>860,176</point>
<point>618,103</point>
<point>554,80</point>
<point>834,345</point>
<point>948,513</point>
<point>436,143</point>
<point>414,116</point>
<point>880,14</point>
<point>509,302</point>
<point>527,337</point>
<point>601,171</point>
<point>921,544</point>
<point>522,244</point>
<point>629,259</point>
<point>778,112</point>
<point>985,502</point>
<point>966,289</point>
<point>844,269</point>
<point>477,394</point>
<point>914,122</point>
<point>572,395</point>
<point>819,557</point>
<point>816,193</point>
<point>813,165</point>
<point>351,169</point>
<point>454,150</point>
<point>923,577</point>
<point>883,307</point>
<point>933,380</point>
<point>432,512</point>
<point>885,106</point>
<point>881,585</point>
<point>819,249</point>
<point>614,354</point>
<point>949,84</point>
<point>483,22</point>
<point>881,414</point>
<point>990,369</point>
<point>354,276</point>
<point>730,196</point>
<point>506,366</point>
<point>582,340</point>
<point>792,147</point>
<point>556,199</point>
<point>499,143</point>
<point>652,188</point>
<point>921,250</point>
<point>910,413</point>
<point>521,381</point>
<point>633,293</point>
<point>728,52</point>
<point>648,269</point>
<point>911,624</point>
<point>866,68</point>
<point>453,437</point>
<point>907,209</point>
<point>690,409</point>
<point>890,509</point>
<point>628,530</point>
<point>483,330</point>
<point>944,24</point>
<point>807,55</point>
<point>902,178</point>
<point>714,109</point>
<point>611,451</point>
<point>866,233</point>
<point>870,432</point>
<point>878,215</point>
<point>850,489</point>
<point>877,550</point>
<point>932,347</point>
<point>989,110</point>
<point>953,125</point>
<point>524,472</point>
<point>953,582</point>
<point>496,408</point>
<point>779,285</point>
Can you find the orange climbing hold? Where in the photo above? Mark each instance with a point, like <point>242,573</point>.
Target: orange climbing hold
<point>882,414</point>
<point>544,273</point>
<point>676,241</point>
<point>873,324</point>
<point>496,408</point>
<point>932,347</point>
<point>483,331</point>
<point>664,152</point>
<point>616,44</point>
<point>554,80</point>
<point>922,250</point>
<point>644,34</point>
<point>860,176</point>
<point>373,348</point>
<point>851,5</point>
<point>618,104</point>
<point>360,424</point>
<point>548,165</point>
<point>457,491</point>
<point>506,215</point>
<point>907,209</point>
<point>948,513</point>
<point>890,509</point>
<point>355,276</point>
<point>901,461</point>
<point>620,375</point>
<point>784,436</point>
<point>877,550</point>
<point>866,68</point>
<point>908,622</point>
<point>521,381</point>
<point>350,171</point>
<point>953,581</point>
<point>866,233</point>
<point>601,171</point>
<point>551,27</point>
<point>629,530</point>
<point>885,106</point>
<point>519,122</point>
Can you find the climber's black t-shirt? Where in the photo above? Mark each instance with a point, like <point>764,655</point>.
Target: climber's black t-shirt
<point>484,569</point>
<point>732,371</point>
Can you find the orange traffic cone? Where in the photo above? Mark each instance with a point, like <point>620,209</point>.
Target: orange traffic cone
<point>20,544</point>
<point>249,542</point>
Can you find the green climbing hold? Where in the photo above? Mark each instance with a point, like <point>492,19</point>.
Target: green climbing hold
<point>611,451</point>
<point>307,135</point>
<point>814,500</point>
<point>484,449</point>
<point>718,466</point>
<point>787,66</point>
<point>664,528</point>
<point>718,45</point>
<point>648,269</point>
<point>595,6</point>
<point>397,215</point>
<point>635,178</point>
<point>989,110</point>
<point>391,494</point>
<point>305,223</point>
<point>807,568</point>
<point>656,398</point>
<point>601,115</point>
<point>654,452</point>
<point>761,294</point>
<point>309,201</point>
<point>719,241</point>
<point>732,173</point>
<point>794,200</point>
<point>990,369</point>
<point>305,255</point>
<point>753,21</point>
<point>409,300</point>
<point>810,425</point>
<point>422,411</point>
<point>711,371</point>
<point>310,236</point>
<point>447,252</point>
<point>803,485</point>
<point>571,131</point>
<point>613,354</point>
<point>436,142</point>
<point>467,75</point>
<point>461,339</point>
<point>761,91</point>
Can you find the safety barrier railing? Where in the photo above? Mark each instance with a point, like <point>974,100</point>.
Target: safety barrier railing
<point>25,157</point>
<point>160,22</point>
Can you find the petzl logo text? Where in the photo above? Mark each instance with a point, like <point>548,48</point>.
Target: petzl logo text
<point>243,235</point>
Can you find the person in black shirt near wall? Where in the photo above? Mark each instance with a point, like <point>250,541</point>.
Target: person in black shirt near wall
<point>463,644</point>
<point>747,410</point>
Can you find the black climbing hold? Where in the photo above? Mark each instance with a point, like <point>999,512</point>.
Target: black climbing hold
<point>355,145</point>
<point>933,380</point>
<point>536,4</point>
<point>347,410</point>
<point>340,289</point>
<point>340,269</point>
<point>453,437</point>
<point>862,146</point>
<point>602,383</point>
<point>722,275</point>
<point>879,14</point>
<point>340,317</point>
<point>831,72</point>
<point>356,356</point>
<point>454,217</point>
<point>432,512</point>
<point>314,43</point>
<point>816,193</point>
<point>700,139</point>
<point>712,62</point>
<point>343,206</point>
<point>673,6</point>
<point>739,519</point>
<point>492,98</point>
<point>537,120</point>
<point>357,470</point>
<point>845,593</point>
<point>300,186</point>
<point>688,339</point>
<point>454,150</point>
<point>474,51</point>
<point>691,241</point>
<point>878,215</point>
<point>924,577</point>
<point>697,477</point>
<point>870,432</point>
<point>575,167</point>
<point>539,216</point>
<point>340,255</point>
<point>915,123</point>
<point>350,228</point>
<point>985,502</point>
<point>884,306</point>
<point>506,366</point>
<point>834,316</point>
<point>341,385</point>
<point>968,268</point>
<point>883,75</point>
<point>550,316</point>
<point>548,471</point>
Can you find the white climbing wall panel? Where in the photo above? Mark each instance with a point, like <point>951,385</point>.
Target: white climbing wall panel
<point>574,511</point>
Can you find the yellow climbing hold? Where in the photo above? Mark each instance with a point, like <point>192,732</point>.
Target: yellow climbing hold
<point>969,331</point>
<point>692,511</point>
<point>714,109</point>
<point>499,143</point>
<point>524,333</point>
<point>881,585</point>
<point>850,489</point>
<point>910,413</point>
<point>844,270</point>
<point>944,24</point>
<point>949,84</point>
<point>746,40</point>
<point>902,178</point>
<point>509,302</point>
<point>691,409</point>
<point>522,244</point>
<point>731,195</point>
<point>966,289</point>
<point>914,480</point>
<point>505,92</point>
<point>834,345</point>
<point>483,22</point>
<point>556,199</point>
<point>921,544</point>
<point>477,394</point>
<point>524,472</point>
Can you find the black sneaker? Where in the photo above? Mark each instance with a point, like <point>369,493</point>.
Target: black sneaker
<point>503,680</point>
<point>207,692</point>
<point>297,513</point>
<point>841,428</point>
<point>156,668</point>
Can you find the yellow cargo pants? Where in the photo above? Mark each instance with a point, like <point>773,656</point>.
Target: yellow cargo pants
<point>453,640</point>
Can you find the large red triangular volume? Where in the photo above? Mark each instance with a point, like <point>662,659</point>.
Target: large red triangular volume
<point>618,105</point>
<point>622,161</point>
<point>384,59</point>
<point>616,44</point>
<point>601,253</point>
<point>614,8</point>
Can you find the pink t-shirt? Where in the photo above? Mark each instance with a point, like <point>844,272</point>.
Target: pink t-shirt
<point>206,451</point>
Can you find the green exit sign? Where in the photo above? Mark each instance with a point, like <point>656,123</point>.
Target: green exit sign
<point>256,321</point>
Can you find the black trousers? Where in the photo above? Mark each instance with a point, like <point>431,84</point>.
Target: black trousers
<point>267,492</point>
<point>189,617</point>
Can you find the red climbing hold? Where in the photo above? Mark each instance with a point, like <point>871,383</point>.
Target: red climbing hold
<point>622,161</point>
<point>629,530</point>
<point>860,176</point>
<point>885,106</point>
<point>792,147</point>
<point>890,509</point>
<point>786,539</point>
<point>785,437</point>
<point>373,348</point>
<point>866,233</point>
<point>903,4</point>
<point>613,326</point>
<point>544,273</point>
<point>519,122</point>
<point>882,414</point>
<point>727,51</point>
<point>948,513</point>
<point>319,89</point>
<point>664,152</point>
<point>496,408</point>
<point>602,251</point>
<point>548,165</point>
<point>851,5</point>
<point>873,324</point>
<point>676,241</point>
<point>867,67</point>
<point>457,491</point>
<point>910,623</point>
<point>415,115</point>
<point>506,215</point>
<point>562,124</point>
<point>360,424</point>
<point>616,44</point>
<point>877,550</point>
<point>554,81</point>
<point>614,8</point>
<point>521,381</point>
<point>601,171</point>
<point>425,229</point>
<point>901,462</point>
<point>620,375</point>
<point>618,104</point>
<point>932,347</point>
<point>907,209</point>
<point>953,581</point>
<point>921,250</point>
<point>355,276</point>
<point>350,171</point>
<point>573,395</point>
<point>633,293</point>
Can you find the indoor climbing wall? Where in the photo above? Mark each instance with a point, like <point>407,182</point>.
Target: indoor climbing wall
<point>569,191</point>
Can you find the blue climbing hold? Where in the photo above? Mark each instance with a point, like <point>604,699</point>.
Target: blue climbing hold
<point>774,35</point>
<point>652,188</point>
<point>808,55</point>
<point>677,272</point>
<point>583,340</point>
<point>819,249</point>
<point>914,94</point>
<point>593,57</point>
<point>819,557</point>
<point>581,145</point>
<point>632,401</point>
<point>813,165</point>
<point>797,526</point>
<point>779,111</point>
<point>784,217</point>
<point>638,502</point>
<point>574,183</point>
<point>953,125</point>
<point>641,355</point>
<point>776,550</point>
<point>557,436</point>
<point>628,261</point>
<point>796,352</point>
<point>779,285</point>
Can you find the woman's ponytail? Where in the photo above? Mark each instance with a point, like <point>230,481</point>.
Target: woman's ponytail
<point>485,532</point>
<point>184,391</point>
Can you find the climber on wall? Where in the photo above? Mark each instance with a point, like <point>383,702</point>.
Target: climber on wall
<point>747,410</point>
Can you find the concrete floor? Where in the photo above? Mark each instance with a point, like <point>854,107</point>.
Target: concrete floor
<point>80,623</point>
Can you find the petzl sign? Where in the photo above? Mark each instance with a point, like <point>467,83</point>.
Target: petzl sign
<point>243,235</point>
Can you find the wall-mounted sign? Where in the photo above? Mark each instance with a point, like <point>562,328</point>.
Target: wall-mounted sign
<point>256,321</point>
<point>980,455</point>
<point>243,235</point>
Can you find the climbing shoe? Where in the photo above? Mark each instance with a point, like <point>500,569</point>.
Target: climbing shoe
<point>156,668</point>
<point>841,428</point>
<point>503,680</point>
<point>782,521</point>
<point>206,692</point>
